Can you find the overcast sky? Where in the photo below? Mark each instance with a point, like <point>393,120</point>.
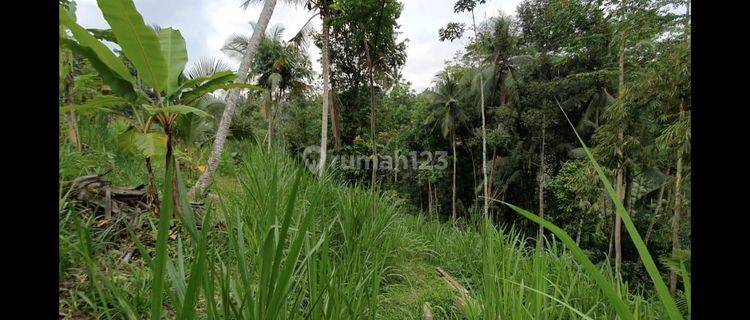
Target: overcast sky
<point>206,24</point>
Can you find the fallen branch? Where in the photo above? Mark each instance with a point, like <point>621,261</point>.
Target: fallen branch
<point>427,311</point>
<point>464,297</point>
<point>94,191</point>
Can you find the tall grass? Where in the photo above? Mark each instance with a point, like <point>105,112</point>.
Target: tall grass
<point>282,244</point>
<point>286,245</point>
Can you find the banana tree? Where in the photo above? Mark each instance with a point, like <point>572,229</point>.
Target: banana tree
<point>152,98</point>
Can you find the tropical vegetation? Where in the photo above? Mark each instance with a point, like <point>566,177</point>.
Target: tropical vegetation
<point>184,192</point>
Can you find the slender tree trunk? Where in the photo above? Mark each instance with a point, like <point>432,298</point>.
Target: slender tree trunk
<point>73,130</point>
<point>231,101</point>
<point>618,222</point>
<point>373,180</point>
<point>373,177</point>
<point>152,197</point>
<point>484,133</point>
<point>610,245</point>
<point>677,209</point>
<point>335,119</point>
<point>541,185</point>
<point>578,236</point>
<point>620,187</point>
<point>73,135</point>
<point>656,212</point>
<point>453,184</point>
<point>325,56</point>
<point>678,181</point>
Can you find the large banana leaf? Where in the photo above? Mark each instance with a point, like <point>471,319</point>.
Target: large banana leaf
<point>175,53</point>
<point>96,104</point>
<point>149,144</point>
<point>213,84</point>
<point>103,34</point>
<point>178,109</point>
<point>138,41</point>
<point>194,82</point>
<point>122,88</point>
<point>102,53</point>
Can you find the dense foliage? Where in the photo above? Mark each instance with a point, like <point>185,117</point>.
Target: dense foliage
<point>277,242</point>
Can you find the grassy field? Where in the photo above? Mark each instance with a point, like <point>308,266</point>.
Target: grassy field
<point>269,252</point>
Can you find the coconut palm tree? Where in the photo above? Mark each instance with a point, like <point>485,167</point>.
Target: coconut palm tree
<point>326,64</point>
<point>280,67</point>
<point>231,99</point>
<point>446,111</point>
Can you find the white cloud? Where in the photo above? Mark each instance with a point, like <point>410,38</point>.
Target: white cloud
<point>420,21</point>
<point>205,25</point>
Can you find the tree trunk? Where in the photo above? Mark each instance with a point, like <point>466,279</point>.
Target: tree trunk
<point>325,57</point>
<point>73,130</point>
<point>620,188</point>
<point>231,101</point>
<point>453,185</point>
<point>171,161</point>
<point>610,244</point>
<point>73,135</point>
<point>491,177</point>
<point>656,212</point>
<point>484,134</point>
<point>678,182</point>
<point>152,197</point>
<point>677,209</point>
<point>618,222</point>
<point>541,185</point>
<point>373,178</point>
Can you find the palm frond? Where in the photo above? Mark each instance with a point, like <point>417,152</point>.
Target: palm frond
<point>302,38</point>
<point>236,45</point>
<point>206,67</point>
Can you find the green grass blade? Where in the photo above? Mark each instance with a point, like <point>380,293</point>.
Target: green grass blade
<point>648,261</point>
<point>185,210</point>
<point>167,207</point>
<point>605,285</point>
<point>283,235</point>
<point>265,272</point>
<point>563,303</point>
<point>284,282</point>
<point>196,273</point>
